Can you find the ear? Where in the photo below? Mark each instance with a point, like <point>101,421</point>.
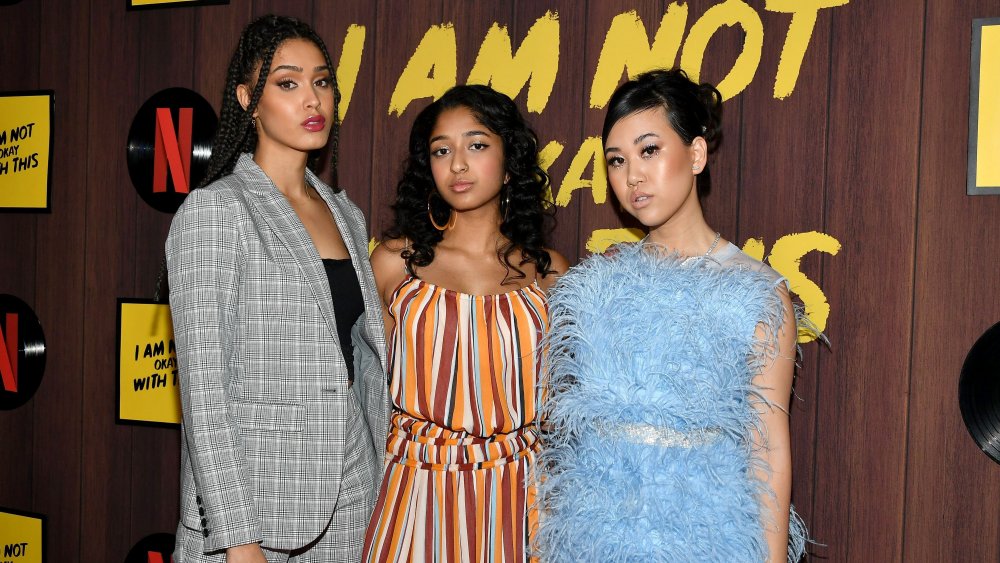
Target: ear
<point>699,154</point>
<point>243,96</point>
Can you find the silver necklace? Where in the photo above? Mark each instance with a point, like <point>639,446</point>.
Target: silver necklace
<point>711,247</point>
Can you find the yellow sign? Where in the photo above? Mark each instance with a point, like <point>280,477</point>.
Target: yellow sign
<point>21,537</point>
<point>984,109</point>
<point>135,4</point>
<point>147,364</point>
<point>25,149</point>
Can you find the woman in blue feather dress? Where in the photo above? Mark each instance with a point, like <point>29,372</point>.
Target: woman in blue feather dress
<point>670,365</point>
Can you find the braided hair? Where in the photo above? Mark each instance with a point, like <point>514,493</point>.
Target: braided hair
<point>526,213</point>
<point>237,133</point>
<point>256,48</point>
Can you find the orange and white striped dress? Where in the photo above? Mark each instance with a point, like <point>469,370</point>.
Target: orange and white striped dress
<point>462,437</point>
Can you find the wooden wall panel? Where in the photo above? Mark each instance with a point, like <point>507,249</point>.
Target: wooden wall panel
<point>952,486</point>
<point>782,191</point>
<point>332,21</point>
<point>599,17</point>
<point>554,123</point>
<point>19,29</point>
<point>63,67</point>
<point>394,45</point>
<point>166,51</point>
<point>110,249</point>
<point>870,148</point>
<point>875,72</point>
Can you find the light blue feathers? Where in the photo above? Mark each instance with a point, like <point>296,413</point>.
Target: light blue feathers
<point>648,410</point>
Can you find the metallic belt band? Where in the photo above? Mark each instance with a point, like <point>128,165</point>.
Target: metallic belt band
<point>650,435</point>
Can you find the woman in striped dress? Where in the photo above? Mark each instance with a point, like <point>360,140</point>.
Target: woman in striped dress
<point>462,275</point>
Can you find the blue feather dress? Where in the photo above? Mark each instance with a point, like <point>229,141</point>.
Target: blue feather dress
<point>649,409</point>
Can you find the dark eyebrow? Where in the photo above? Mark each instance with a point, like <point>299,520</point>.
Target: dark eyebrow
<point>643,137</point>
<point>637,140</point>
<point>299,69</point>
<point>466,134</point>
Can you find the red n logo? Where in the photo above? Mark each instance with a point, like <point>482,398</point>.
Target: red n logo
<point>172,148</point>
<point>8,354</point>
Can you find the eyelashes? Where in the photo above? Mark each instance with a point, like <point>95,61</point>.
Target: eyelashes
<point>647,152</point>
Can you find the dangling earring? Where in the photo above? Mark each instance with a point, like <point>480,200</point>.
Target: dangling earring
<point>452,216</point>
<point>506,202</point>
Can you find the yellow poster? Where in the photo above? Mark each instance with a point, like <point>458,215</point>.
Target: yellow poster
<point>137,4</point>
<point>147,364</point>
<point>21,537</point>
<point>984,108</point>
<point>25,149</point>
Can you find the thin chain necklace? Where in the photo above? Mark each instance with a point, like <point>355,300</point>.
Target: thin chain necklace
<point>711,247</point>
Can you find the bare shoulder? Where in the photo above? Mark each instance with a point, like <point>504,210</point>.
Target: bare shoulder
<point>388,265</point>
<point>558,266</point>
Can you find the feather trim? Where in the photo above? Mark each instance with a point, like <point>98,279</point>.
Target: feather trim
<point>638,340</point>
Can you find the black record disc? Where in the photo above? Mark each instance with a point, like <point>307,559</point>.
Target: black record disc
<point>979,392</point>
<point>23,361</point>
<point>169,145</point>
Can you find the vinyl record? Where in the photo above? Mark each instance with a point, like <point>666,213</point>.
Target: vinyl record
<point>154,548</point>
<point>979,392</point>
<point>21,374</point>
<point>169,145</point>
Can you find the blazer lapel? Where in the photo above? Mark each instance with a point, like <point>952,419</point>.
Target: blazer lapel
<point>355,238</point>
<point>287,227</point>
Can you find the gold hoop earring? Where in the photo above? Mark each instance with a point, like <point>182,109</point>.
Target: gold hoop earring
<point>452,217</point>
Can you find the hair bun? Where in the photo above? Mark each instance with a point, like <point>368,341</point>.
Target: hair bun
<point>711,123</point>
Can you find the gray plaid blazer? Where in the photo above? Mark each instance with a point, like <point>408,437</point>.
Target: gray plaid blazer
<point>262,377</point>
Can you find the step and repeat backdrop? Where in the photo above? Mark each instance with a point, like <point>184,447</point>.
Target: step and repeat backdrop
<point>855,137</point>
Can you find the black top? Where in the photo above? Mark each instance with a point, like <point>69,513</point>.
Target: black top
<point>348,304</point>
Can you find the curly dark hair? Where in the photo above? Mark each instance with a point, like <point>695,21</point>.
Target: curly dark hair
<point>237,134</point>
<point>527,218</point>
<point>693,110</point>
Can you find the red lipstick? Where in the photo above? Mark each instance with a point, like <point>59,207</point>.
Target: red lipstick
<point>314,123</point>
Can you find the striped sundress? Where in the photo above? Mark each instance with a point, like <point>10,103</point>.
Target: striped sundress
<point>462,437</point>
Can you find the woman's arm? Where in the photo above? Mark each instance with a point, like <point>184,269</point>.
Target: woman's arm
<point>204,261</point>
<point>390,270</point>
<point>775,383</point>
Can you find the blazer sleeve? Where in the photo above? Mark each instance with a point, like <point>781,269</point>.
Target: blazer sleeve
<point>204,261</point>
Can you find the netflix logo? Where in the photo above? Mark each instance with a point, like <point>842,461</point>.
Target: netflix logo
<point>169,145</point>
<point>22,352</point>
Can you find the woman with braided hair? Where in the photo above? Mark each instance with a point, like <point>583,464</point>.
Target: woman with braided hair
<point>280,342</point>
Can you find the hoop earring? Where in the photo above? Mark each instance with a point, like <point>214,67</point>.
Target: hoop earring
<point>506,203</point>
<point>430,215</point>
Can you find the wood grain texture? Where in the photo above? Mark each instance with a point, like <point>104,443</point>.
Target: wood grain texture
<point>57,460</point>
<point>332,21</point>
<point>155,450</point>
<point>952,486</point>
<point>782,191</point>
<point>394,45</point>
<point>870,148</point>
<point>560,120</point>
<point>863,386</point>
<point>19,30</point>
<point>109,273</point>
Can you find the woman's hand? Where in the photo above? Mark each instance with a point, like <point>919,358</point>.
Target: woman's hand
<point>247,553</point>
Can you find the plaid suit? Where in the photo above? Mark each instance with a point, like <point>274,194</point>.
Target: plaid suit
<point>264,389</point>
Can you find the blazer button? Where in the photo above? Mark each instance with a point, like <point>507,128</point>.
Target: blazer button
<point>204,522</point>
<point>205,532</point>
<point>198,498</point>
<point>201,510</point>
